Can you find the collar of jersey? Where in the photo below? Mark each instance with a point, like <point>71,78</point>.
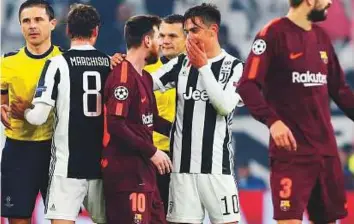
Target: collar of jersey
<point>218,57</point>
<point>45,54</point>
<point>85,47</point>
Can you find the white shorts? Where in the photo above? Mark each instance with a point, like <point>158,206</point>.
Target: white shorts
<point>66,195</point>
<point>192,194</point>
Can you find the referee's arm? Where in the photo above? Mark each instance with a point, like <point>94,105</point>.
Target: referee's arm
<point>224,100</point>
<point>5,108</point>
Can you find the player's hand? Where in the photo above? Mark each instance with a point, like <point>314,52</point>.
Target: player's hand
<point>5,111</point>
<point>18,107</point>
<point>116,59</point>
<point>282,136</point>
<point>196,53</point>
<point>162,162</point>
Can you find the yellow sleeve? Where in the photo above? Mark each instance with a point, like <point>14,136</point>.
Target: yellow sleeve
<point>4,76</point>
<point>351,164</point>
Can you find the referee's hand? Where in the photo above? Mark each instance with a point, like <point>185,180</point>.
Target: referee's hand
<point>5,111</point>
<point>162,162</point>
<point>282,136</point>
<point>18,107</point>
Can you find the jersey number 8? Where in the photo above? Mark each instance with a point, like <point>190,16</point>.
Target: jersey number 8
<point>95,92</point>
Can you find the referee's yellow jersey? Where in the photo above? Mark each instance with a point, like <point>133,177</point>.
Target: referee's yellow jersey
<point>166,104</point>
<point>20,72</point>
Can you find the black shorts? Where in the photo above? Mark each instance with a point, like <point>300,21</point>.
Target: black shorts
<point>24,173</point>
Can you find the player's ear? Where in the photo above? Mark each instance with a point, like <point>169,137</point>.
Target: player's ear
<point>147,41</point>
<point>53,24</point>
<point>310,3</point>
<point>95,32</point>
<point>214,28</point>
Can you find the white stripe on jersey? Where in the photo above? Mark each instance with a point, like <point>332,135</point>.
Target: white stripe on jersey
<point>60,160</point>
<point>197,138</point>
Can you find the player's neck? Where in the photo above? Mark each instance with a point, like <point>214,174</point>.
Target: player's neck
<point>81,42</point>
<point>137,59</point>
<point>214,50</point>
<point>40,49</point>
<point>299,17</point>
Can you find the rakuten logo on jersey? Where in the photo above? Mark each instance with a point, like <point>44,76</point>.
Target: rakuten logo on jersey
<point>195,95</point>
<point>148,119</point>
<point>310,79</point>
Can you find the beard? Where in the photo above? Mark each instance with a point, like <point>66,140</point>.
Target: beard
<point>152,58</point>
<point>317,15</point>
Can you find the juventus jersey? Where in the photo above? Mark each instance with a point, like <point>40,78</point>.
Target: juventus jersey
<point>73,84</point>
<point>205,102</point>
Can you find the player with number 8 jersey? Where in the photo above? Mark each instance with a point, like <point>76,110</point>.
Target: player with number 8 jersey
<point>72,84</point>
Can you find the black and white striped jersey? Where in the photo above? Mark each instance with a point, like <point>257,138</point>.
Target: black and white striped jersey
<point>73,84</point>
<point>206,99</point>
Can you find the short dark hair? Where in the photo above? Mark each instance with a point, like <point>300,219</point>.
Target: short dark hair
<point>38,3</point>
<point>139,26</point>
<point>173,18</point>
<point>208,13</point>
<point>82,20</point>
<point>295,3</point>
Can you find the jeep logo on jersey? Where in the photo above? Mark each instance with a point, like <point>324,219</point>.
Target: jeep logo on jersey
<point>195,95</point>
<point>148,119</point>
<point>309,79</point>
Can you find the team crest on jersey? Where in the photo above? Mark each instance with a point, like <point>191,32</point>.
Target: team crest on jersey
<point>121,93</point>
<point>259,46</point>
<point>324,56</point>
<point>138,218</point>
<point>285,205</point>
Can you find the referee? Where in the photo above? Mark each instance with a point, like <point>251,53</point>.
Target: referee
<point>172,40</point>
<point>26,155</point>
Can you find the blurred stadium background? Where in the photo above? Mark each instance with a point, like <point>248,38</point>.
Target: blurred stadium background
<point>241,19</point>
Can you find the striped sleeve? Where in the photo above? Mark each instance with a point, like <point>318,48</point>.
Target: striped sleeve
<point>224,100</point>
<point>119,90</point>
<point>257,66</point>
<point>47,87</point>
<point>166,77</point>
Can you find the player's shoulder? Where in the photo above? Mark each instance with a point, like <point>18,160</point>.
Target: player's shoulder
<point>124,72</point>
<point>272,27</point>
<point>102,54</point>
<point>234,61</point>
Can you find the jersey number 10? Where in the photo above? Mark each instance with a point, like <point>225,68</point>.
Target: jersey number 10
<point>95,92</point>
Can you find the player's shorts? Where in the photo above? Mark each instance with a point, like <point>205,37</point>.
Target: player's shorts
<point>94,201</point>
<point>24,173</point>
<point>312,183</point>
<point>192,194</point>
<point>134,207</point>
<point>163,184</point>
<point>66,195</point>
